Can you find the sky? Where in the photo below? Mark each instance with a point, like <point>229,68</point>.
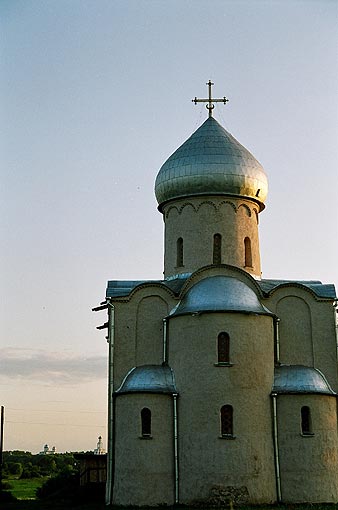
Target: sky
<point>95,95</point>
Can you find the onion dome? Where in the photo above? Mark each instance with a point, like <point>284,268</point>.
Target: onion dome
<point>211,162</point>
<point>149,379</point>
<point>294,379</point>
<point>219,294</point>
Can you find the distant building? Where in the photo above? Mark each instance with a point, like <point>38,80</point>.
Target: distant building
<point>93,466</point>
<point>222,384</point>
<point>47,451</point>
<point>99,450</point>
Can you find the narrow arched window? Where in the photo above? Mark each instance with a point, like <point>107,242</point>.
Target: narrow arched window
<point>217,249</point>
<point>227,420</point>
<point>247,252</point>
<point>223,347</point>
<point>146,421</point>
<point>306,423</point>
<point>179,252</point>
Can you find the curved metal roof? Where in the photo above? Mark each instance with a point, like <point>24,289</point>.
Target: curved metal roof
<point>300,379</point>
<point>217,294</point>
<point>117,288</point>
<point>211,161</point>
<point>149,379</point>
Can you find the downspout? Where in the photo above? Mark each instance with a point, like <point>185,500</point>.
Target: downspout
<point>176,472</point>
<point>276,322</point>
<point>335,307</point>
<point>276,448</point>
<point>110,458</point>
<point>175,415</point>
<point>165,330</point>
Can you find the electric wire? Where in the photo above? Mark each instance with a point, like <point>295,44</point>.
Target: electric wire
<point>55,424</point>
<point>54,410</point>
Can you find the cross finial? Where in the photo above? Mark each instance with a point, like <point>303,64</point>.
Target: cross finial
<point>210,106</point>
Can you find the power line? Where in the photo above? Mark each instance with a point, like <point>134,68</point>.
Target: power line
<point>55,424</point>
<point>54,410</point>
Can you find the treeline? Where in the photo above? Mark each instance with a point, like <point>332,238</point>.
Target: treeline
<point>19,464</point>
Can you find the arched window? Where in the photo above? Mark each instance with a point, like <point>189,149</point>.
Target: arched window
<point>247,252</point>
<point>223,347</point>
<point>179,253</point>
<point>227,420</point>
<point>146,421</point>
<point>306,423</point>
<point>217,249</point>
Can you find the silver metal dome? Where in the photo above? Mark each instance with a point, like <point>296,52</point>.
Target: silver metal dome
<point>300,379</point>
<point>149,379</point>
<point>211,161</point>
<point>219,294</point>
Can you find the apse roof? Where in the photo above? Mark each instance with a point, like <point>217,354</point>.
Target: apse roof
<point>211,161</point>
<point>295,379</point>
<point>219,293</point>
<point>149,379</point>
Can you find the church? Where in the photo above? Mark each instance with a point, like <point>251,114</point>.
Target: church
<point>222,384</point>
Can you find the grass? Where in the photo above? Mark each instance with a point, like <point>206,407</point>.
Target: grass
<point>25,488</point>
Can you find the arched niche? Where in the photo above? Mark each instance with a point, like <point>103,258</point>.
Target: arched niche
<point>295,331</point>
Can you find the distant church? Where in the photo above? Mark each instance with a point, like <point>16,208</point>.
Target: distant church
<point>222,385</point>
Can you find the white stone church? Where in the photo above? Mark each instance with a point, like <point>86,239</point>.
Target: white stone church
<point>222,384</point>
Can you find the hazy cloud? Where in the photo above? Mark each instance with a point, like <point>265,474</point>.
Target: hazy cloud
<point>47,366</point>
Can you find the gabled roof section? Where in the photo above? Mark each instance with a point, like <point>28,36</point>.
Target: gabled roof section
<point>120,288</point>
<point>320,290</point>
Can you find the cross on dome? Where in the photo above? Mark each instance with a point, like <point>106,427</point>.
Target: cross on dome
<point>210,106</point>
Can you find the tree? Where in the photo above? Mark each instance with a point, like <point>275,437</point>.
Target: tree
<point>14,468</point>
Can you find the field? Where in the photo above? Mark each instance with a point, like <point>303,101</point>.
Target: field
<point>25,488</point>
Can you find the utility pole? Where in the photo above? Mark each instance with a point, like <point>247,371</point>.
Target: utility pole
<point>1,442</point>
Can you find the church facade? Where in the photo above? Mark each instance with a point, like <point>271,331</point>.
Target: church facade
<point>222,384</point>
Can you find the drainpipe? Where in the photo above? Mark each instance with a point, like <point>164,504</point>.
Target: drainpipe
<point>176,473</point>
<point>277,321</point>
<point>165,330</point>
<point>276,449</point>
<point>110,460</point>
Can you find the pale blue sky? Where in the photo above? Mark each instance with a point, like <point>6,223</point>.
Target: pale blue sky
<point>95,95</point>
